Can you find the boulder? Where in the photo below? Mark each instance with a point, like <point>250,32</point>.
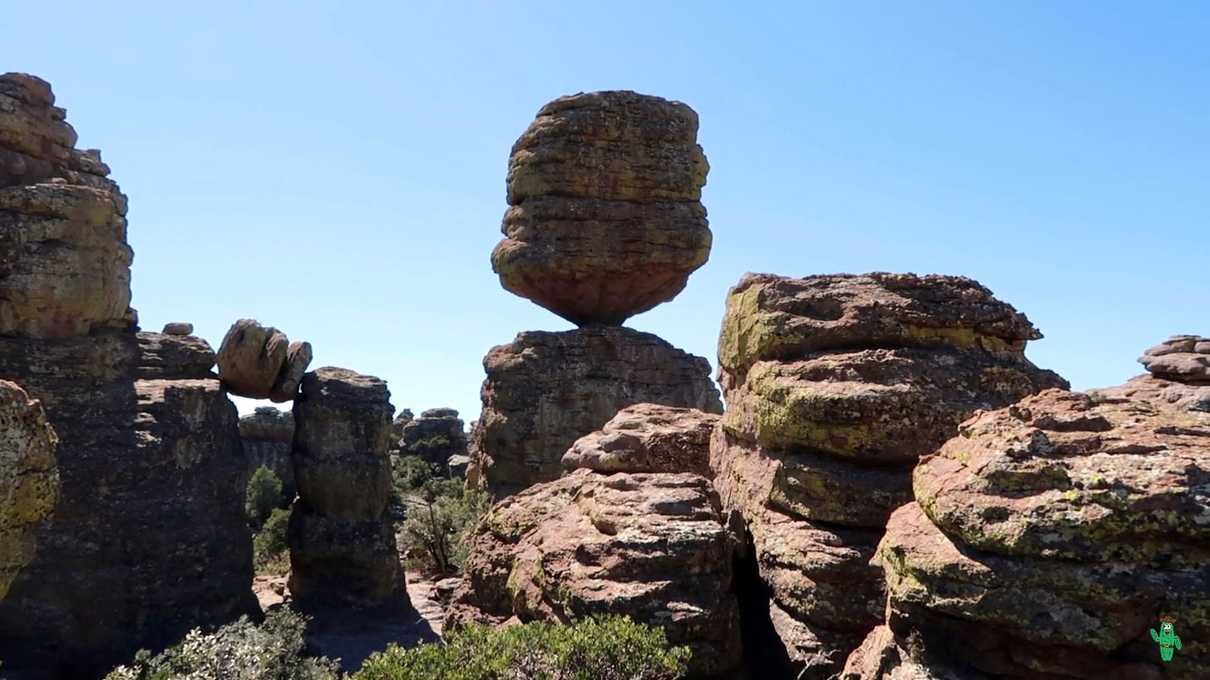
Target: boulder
<point>835,386</point>
<point>29,478</point>
<point>458,465</point>
<point>298,358</point>
<point>1184,358</point>
<point>545,390</point>
<point>342,545</point>
<point>166,356</point>
<point>647,438</point>
<point>605,219</point>
<point>268,438</point>
<point>178,328</point>
<point>251,357</point>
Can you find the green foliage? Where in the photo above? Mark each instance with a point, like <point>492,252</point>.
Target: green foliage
<point>430,445</point>
<point>237,651</point>
<point>437,522</point>
<point>606,648</point>
<point>263,495</point>
<point>410,473</point>
<point>269,546</point>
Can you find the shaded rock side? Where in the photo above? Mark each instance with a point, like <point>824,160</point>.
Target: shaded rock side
<point>29,478</point>
<point>342,546</point>
<point>545,390</point>
<point>268,438</point>
<point>605,218</point>
<point>835,386</point>
<point>1185,358</point>
<point>648,545</point>
<point>164,356</point>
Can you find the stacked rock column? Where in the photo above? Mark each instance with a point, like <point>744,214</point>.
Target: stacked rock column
<point>835,385</point>
<point>342,544</point>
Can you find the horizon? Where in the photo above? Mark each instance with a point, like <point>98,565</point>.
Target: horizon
<point>340,174</point>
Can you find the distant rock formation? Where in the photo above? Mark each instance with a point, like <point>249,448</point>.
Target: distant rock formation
<point>436,436</point>
<point>641,538</point>
<point>605,218</point>
<point>268,437</point>
<point>1182,357</point>
<point>29,479</point>
<point>260,362</point>
<point>835,386</point>
<point>545,390</point>
<point>148,538</point>
<point>342,543</point>
<point>1047,537</point>
<point>178,328</point>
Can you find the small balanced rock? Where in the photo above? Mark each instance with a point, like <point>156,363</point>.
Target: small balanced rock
<point>260,362</point>
<point>605,218</point>
<point>1183,358</point>
<point>178,328</point>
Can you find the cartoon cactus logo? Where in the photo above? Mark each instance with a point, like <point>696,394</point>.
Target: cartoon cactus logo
<point>1167,638</point>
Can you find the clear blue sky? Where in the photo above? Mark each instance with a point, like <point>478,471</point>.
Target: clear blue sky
<point>339,172</point>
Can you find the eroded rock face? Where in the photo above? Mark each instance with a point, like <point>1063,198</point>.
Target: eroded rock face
<point>545,390</point>
<point>605,218</point>
<point>835,386</point>
<point>167,356</point>
<point>435,436</point>
<point>29,478</point>
<point>342,545</point>
<point>1184,358</point>
<point>268,438</point>
<point>647,438</point>
<point>649,545</point>
<point>1049,536</point>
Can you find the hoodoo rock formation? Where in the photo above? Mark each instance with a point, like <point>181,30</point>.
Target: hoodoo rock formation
<point>342,544</point>
<point>835,385</point>
<point>1049,536</point>
<point>268,437</point>
<point>148,538</point>
<point>29,478</point>
<point>1182,357</point>
<point>545,390</point>
<point>644,537</point>
<point>605,219</point>
<point>436,436</point>
<point>260,362</point>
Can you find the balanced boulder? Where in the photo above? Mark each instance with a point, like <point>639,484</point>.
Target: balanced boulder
<point>1182,357</point>
<point>260,362</point>
<point>835,386</point>
<point>605,218</point>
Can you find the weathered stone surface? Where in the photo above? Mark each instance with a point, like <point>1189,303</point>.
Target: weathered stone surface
<point>648,545</point>
<point>268,438</point>
<point>251,357</point>
<point>165,356</point>
<point>605,219</point>
<point>647,438</point>
<point>1185,358</point>
<point>298,358</point>
<point>881,658</point>
<point>342,546</point>
<point>545,390</point>
<point>835,386</point>
<point>29,478</point>
<point>435,436</point>
<point>457,465</point>
<point>178,328</point>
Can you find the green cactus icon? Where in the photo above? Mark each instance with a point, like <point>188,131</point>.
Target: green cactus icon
<point>1167,638</point>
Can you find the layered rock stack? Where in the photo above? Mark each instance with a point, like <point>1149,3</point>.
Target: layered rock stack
<point>268,437</point>
<point>634,529</point>
<point>604,221</point>
<point>148,538</point>
<point>260,362</point>
<point>835,386</point>
<point>437,436</point>
<point>342,544</point>
<point>1185,358</point>
<point>1050,537</point>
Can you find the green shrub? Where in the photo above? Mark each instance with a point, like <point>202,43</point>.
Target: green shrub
<point>437,522</point>
<point>411,472</point>
<point>237,651</point>
<point>269,546</point>
<point>263,495</point>
<point>608,648</point>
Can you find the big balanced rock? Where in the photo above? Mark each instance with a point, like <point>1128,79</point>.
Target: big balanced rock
<point>260,362</point>
<point>1182,357</point>
<point>605,219</point>
<point>835,386</point>
<point>634,529</point>
<point>29,478</point>
<point>1050,537</point>
<point>342,544</point>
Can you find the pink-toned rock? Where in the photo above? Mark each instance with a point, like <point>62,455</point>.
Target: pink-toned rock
<point>647,438</point>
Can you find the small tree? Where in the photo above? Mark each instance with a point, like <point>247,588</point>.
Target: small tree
<point>436,524</point>
<point>270,546</point>
<point>263,495</point>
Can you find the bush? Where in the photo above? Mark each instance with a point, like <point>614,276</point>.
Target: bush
<point>263,495</point>
<point>269,546</point>
<point>411,472</point>
<point>437,523</point>
<point>608,648</point>
<point>237,651</point>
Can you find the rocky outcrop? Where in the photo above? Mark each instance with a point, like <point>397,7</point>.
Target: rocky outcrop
<point>29,478</point>
<point>435,436</point>
<point>1049,536</point>
<point>605,219</point>
<point>545,390</point>
<point>268,438</point>
<point>835,386</point>
<point>260,362</point>
<point>649,542</point>
<point>342,544</point>
<point>148,538</point>
<point>178,328</point>
<point>1184,358</point>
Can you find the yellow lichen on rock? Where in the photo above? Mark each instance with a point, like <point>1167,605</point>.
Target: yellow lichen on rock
<point>29,480</point>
